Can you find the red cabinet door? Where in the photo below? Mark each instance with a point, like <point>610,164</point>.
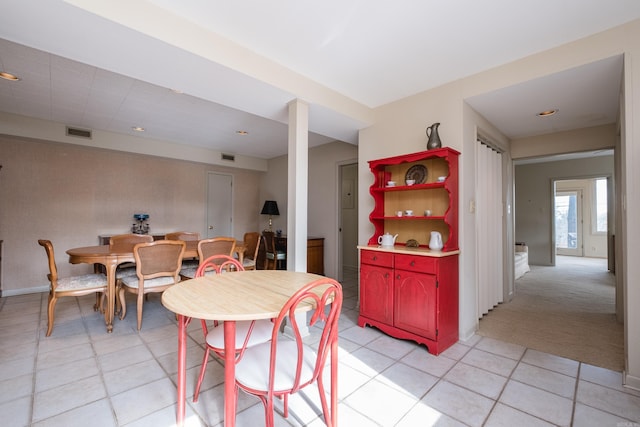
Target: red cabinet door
<point>376,293</point>
<point>415,303</point>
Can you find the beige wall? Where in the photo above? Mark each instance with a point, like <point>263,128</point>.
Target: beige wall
<point>70,194</point>
<point>322,203</point>
<point>587,139</point>
<point>399,128</point>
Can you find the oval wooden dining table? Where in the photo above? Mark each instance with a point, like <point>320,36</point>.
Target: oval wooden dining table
<point>102,254</point>
<point>242,295</point>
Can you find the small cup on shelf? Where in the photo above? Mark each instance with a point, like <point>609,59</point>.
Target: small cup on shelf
<point>391,183</point>
<point>410,181</point>
<point>399,213</point>
<point>427,212</point>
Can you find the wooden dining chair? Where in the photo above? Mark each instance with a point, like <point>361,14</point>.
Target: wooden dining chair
<point>248,332</point>
<point>125,243</point>
<point>70,286</point>
<point>274,256</point>
<point>157,268</point>
<point>208,248</point>
<point>185,236</point>
<point>251,247</point>
<point>284,365</point>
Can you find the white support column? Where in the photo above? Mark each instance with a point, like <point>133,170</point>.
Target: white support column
<point>298,184</point>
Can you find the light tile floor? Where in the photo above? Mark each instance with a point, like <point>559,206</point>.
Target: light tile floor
<point>83,376</point>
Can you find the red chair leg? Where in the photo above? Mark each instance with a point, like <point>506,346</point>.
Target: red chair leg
<point>201,376</point>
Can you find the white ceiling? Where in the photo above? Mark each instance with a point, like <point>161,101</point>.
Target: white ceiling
<point>112,65</point>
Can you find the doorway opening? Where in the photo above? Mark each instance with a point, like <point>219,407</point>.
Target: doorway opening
<point>348,221</point>
<point>580,217</point>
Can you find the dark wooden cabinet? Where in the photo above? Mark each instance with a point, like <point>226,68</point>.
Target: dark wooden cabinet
<point>315,254</point>
<point>412,292</point>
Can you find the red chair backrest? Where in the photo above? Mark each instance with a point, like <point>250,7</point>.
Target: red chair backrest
<point>217,263</point>
<point>320,293</point>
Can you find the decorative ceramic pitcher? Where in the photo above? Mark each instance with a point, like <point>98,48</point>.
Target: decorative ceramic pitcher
<point>435,244</point>
<point>434,138</point>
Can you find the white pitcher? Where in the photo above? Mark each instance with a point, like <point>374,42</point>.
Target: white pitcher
<point>435,244</point>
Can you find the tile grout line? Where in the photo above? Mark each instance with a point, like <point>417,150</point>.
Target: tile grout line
<point>97,360</point>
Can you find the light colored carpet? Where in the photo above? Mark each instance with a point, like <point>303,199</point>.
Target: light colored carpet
<point>567,310</point>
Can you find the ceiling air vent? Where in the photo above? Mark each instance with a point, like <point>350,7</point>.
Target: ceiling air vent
<point>81,133</point>
<point>229,157</point>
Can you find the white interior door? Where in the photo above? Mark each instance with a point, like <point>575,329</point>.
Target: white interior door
<point>568,222</point>
<point>219,205</point>
<point>488,214</point>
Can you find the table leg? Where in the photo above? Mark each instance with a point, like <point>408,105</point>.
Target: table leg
<point>182,365</point>
<point>230,373</point>
<point>111,295</point>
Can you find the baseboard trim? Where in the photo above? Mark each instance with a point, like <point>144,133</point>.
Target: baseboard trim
<point>630,381</point>
<point>23,291</point>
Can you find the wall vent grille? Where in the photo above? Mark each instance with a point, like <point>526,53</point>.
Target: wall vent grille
<point>81,133</point>
<point>229,157</point>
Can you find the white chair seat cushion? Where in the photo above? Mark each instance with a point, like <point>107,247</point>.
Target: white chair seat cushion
<point>188,272</point>
<point>191,272</point>
<point>86,281</point>
<point>279,255</point>
<point>253,369</point>
<point>261,333</point>
<point>190,263</point>
<point>132,281</point>
<point>246,262</point>
<point>125,272</point>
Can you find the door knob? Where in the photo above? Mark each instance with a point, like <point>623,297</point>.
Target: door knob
<point>211,227</point>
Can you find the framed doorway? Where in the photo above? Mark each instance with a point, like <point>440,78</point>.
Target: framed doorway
<point>568,222</point>
<point>219,205</point>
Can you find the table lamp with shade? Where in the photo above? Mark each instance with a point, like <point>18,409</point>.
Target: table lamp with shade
<point>270,208</point>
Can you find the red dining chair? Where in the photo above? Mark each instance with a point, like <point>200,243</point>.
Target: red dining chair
<point>248,332</point>
<point>284,365</point>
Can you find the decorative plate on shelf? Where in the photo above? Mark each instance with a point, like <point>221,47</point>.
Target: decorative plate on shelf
<point>418,173</point>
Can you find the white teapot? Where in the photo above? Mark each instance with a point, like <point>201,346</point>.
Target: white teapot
<point>387,240</point>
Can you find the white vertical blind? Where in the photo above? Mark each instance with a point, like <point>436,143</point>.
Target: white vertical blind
<point>489,227</point>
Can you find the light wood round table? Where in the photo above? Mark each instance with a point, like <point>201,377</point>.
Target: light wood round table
<point>230,297</point>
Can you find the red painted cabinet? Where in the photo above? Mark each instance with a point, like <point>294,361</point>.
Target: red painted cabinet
<point>376,300</point>
<point>412,292</point>
<point>432,198</point>
<point>416,298</point>
<point>415,305</point>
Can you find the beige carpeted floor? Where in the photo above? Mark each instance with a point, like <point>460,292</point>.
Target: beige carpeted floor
<point>567,310</point>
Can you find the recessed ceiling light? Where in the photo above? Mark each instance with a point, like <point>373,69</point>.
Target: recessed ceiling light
<point>9,76</point>
<point>242,132</point>
<point>547,113</point>
<point>138,128</point>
